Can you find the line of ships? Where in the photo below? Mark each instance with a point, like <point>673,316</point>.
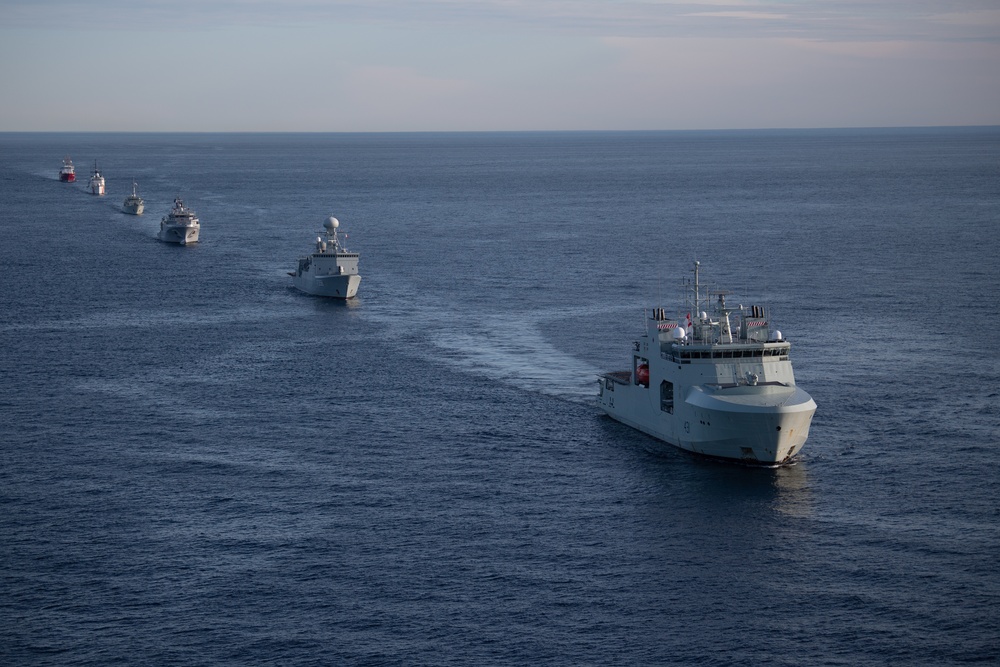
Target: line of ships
<point>330,270</point>
<point>718,384</point>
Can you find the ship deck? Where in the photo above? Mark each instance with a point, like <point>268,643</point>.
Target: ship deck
<point>621,377</point>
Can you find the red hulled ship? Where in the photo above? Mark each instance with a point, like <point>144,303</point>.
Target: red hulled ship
<point>68,173</point>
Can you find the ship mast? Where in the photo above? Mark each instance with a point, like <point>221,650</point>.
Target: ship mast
<point>697,290</point>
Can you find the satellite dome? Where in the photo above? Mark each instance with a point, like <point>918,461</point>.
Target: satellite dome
<point>331,223</point>
<point>679,333</point>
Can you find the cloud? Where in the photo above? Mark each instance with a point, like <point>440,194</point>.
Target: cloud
<point>384,65</point>
<point>843,20</point>
<point>801,83</point>
<point>980,17</point>
<point>759,16</point>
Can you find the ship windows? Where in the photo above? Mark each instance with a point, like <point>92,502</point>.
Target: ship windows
<point>667,396</point>
<point>685,356</point>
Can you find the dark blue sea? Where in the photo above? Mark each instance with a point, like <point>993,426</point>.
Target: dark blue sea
<point>201,466</point>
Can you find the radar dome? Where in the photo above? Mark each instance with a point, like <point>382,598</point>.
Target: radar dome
<point>331,223</point>
<point>679,333</point>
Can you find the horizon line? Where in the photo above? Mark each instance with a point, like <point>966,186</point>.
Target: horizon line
<point>538,131</point>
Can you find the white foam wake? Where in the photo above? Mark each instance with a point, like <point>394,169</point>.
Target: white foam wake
<point>508,347</point>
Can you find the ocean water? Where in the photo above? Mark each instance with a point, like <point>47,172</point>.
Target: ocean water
<point>199,465</point>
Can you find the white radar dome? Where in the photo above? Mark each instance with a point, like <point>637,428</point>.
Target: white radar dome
<point>777,335</point>
<point>331,223</point>
<point>679,333</point>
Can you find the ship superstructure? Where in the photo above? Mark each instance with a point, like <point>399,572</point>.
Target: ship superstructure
<point>720,385</point>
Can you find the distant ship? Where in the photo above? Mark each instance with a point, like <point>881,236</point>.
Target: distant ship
<point>68,172</point>
<point>331,270</point>
<point>180,225</point>
<point>96,182</point>
<point>133,203</point>
<point>712,386</point>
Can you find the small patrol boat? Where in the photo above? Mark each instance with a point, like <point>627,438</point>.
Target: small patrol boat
<point>720,385</point>
<point>133,204</point>
<point>181,225</point>
<point>331,270</point>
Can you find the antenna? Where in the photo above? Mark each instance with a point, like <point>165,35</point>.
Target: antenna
<point>697,289</point>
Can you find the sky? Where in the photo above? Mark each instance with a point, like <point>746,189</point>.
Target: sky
<point>496,65</point>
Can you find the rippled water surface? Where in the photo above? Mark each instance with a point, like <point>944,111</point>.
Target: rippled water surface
<point>202,466</point>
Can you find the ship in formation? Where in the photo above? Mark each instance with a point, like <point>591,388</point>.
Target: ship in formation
<point>96,182</point>
<point>67,174</point>
<point>181,225</point>
<point>719,384</point>
<point>133,204</point>
<point>330,270</point>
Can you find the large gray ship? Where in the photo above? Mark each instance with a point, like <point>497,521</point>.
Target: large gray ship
<point>181,225</point>
<point>720,385</point>
<point>331,270</point>
<point>133,204</point>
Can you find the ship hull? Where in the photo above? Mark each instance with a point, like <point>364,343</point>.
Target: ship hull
<point>133,208</point>
<point>179,235</point>
<point>766,429</point>
<point>67,178</point>
<point>336,287</point>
